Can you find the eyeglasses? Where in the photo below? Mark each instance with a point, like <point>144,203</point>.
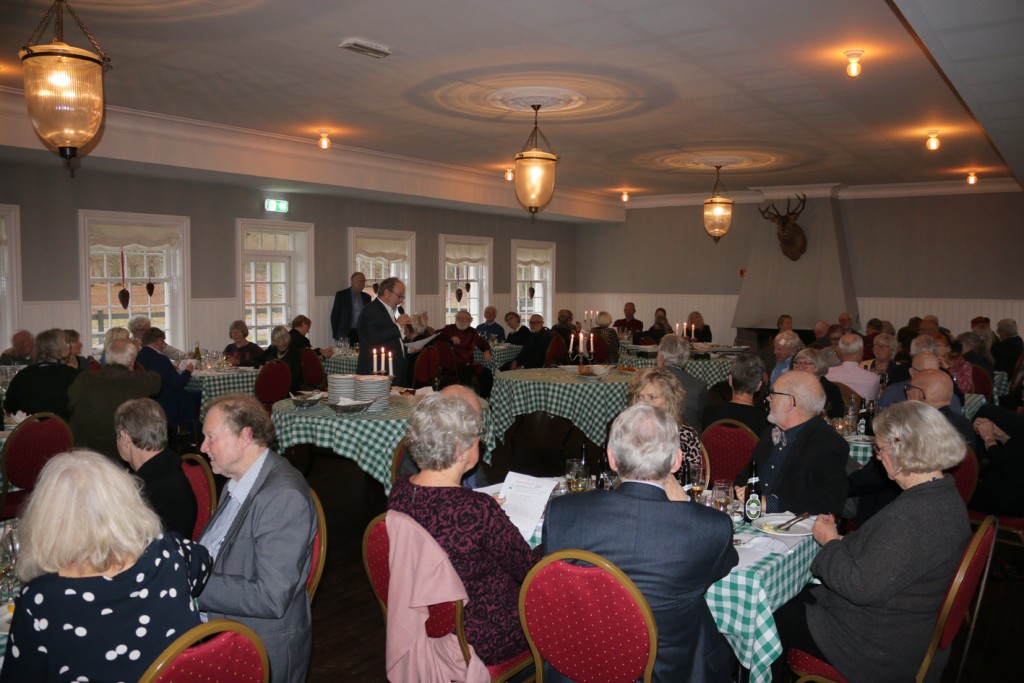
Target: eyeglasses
<point>768,396</point>
<point>803,364</point>
<point>878,449</point>
<point>648,398</point>
<point>910,387</point>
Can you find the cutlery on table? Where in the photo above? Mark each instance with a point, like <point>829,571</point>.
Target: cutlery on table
<point>798,518</point>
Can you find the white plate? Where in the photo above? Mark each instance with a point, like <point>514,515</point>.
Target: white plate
<point>589,378</point>
<point>860,438</point>
<point>801,528</point>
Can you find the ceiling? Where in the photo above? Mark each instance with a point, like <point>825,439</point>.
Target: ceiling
<point>660,83</point>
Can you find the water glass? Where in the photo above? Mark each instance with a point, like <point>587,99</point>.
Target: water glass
<point>722,495</point>
<point>580,480</point>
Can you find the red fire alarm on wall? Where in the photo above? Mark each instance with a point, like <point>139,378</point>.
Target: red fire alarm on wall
<point>743,272</point>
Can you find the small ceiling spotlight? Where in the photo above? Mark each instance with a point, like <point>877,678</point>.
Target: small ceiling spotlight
<point>324,142</point>
<point>624,197</point>
<point>933,142</point>
<point>510,175</point>
<point>853,69</point>
<point>972,178</point>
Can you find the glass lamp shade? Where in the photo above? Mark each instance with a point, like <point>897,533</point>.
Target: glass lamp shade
<point>717,216</point>
<point>535,178</point>
<point>64,94</point>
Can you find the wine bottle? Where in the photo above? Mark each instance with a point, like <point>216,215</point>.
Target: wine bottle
<point>198,353</point>
<point>754,500</point>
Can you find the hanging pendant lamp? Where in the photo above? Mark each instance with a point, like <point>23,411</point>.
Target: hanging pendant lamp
<point>535,170</point>
<point>64,85</point>
<point>717,210</point>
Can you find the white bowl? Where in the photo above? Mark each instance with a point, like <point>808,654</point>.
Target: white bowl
<point>601,370</point>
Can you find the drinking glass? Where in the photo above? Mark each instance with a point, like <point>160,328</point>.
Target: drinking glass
<point>723,494</point>
<point>580,480</point>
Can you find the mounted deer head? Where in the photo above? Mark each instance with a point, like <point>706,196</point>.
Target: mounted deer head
<point>792,239</point>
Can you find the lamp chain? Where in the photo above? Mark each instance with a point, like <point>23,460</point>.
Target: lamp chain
<point>56,14</point>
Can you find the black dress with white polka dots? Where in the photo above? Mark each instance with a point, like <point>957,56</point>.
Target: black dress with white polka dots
<point>106,628</point>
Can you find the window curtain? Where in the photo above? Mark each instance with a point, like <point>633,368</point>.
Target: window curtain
<point>382,248</point>
<point>527,257</point>
<point>106,236</point>
<point>465,254</point>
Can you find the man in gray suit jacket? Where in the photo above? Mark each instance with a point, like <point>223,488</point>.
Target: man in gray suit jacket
<point>673,551</point>
<point>673,353</point>
<point>261,537</point>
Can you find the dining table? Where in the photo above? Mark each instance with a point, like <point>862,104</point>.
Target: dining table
<point>711,371</point>
<point>210,384</point>
<point>590,404</point>
<point>344,363</point>
<point>367,438</point>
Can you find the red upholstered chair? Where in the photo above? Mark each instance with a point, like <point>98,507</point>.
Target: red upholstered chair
<point>729,444</point>
<point>444,618</point>
<point>273,383</point>
<point>200,478</point>
<point>965,475</point>
<point>316,571</point>
<point>982,382</point>
<point>561,601</point>
<point>969,580</point>
<point>448,362</point>
<point>234,654</point>
<point>557,353</point>
<point>428,366</point>
<point>1011,529</point>
<point>313,369</point>
<point>601,350</point>
<point>32,443</point>
<point>401,452</point>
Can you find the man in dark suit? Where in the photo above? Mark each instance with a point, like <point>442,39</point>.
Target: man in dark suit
<point>673,551</point>
<point>1008,349</point>
<point>535,348</point>
<point>802,461</point>
<point>178,404</point>
<point>379,329</point>
<point>348,304</point>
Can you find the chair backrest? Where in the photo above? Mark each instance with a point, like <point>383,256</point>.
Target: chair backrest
<point>200,478</point>
<point>557,354</point>
<point>601,350</point>
<point>706,467</point>
<point>272,383</point>
<point>848,393</point>
<point>970,577</point>
<point>428,365</point>
<point>316,570</point>
<point>729,445</point>
<point>646,340</point>
<point>312,368</point>
<point>396,458</point>
<point>982,382</point>
<point>446,357</point>
<point>561,601</point>
<point>234,654</point>
<point>443,618</point>
<point>965,476</point>
<point>32,443</point>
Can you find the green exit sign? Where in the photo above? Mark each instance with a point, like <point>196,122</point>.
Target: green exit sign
<point>276,205</point>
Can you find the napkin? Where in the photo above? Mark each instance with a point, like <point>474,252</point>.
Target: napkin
<point>19,417</point>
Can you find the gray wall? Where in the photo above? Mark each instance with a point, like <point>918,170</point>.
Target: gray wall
<point>49,201</point>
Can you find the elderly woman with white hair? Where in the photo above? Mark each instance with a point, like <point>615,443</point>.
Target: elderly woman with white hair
<point>488,552</point>
<point>883,584</point>
<point>104,590</point>
<point>603,329</point>
<point>813,361</point>
<point>282,349</point>
<point>241,352</point>
<point>884,364</point>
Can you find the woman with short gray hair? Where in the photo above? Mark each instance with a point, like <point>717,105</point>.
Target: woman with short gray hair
<point>99,600</point>
<point>813,361</point>
<point>603,329</point>
<point>282,349</point>
<point>487,551</point>
<point>883,584</point>
<point>43,386</point>
<point>241,352</point>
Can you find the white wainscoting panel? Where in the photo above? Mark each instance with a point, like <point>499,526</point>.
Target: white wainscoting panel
<point>208,322</point>
<point>954,314</point>
<point>37,316</point>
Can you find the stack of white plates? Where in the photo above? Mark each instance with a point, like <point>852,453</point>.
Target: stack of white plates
<point>376,388</point>
<point>340,386</point>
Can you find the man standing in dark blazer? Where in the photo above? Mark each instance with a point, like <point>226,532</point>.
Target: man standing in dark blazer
<point>348,304</point>
<point>801,462</point>
<point>379,329</point>
<point>673,551</point>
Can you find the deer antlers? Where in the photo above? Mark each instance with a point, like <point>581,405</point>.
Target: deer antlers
<point>792,239</point>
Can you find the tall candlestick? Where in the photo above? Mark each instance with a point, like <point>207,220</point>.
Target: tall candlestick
<point>391,368</point>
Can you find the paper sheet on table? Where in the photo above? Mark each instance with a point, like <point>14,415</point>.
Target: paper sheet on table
<point>754,546</point>
<point>413,347</point>
<point>526,498</point>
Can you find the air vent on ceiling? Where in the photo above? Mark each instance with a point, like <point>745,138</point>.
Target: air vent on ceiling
<point>365,47</point>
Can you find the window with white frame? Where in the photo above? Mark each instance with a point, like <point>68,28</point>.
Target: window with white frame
<point>466,275</point>
<point>533,268</point>
<point>380,254</point>
<point>10,269</point>
<point>276,267</point>
<point>128,251</point>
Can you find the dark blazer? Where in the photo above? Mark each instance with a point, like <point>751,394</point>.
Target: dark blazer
<point>813,477</point>
<point>672,551</point>
<point>41,388</point>
<point>259,577</point>
<point>1006,352</point>
<point>299,341</point>
<point>342,324</point>
<point>94,396</point>
<point>696,396</point>
<point>520,336</point>
<point>178,404</point>
<point>534,349</point>
<point>376,329</point>
<point>169,494</point>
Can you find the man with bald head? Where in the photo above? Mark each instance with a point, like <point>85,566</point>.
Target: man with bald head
<point>629,322</point>
<point>935,388</point>
<point>20,352</point>
<point>849,371</point>
<point>801,462</point>
<point>923,358</point>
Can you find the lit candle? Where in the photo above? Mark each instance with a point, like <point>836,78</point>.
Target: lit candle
<point>591,343</point>
<point>375,360</point>
<point>579,348</point>
<point>684,328</point>
<point>572,338</point>
<point>391,368</point>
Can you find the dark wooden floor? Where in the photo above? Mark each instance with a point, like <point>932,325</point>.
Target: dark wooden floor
<point>348,628</point>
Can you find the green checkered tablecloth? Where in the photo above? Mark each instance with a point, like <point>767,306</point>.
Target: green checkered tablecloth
<point>341,364</point>
<point>590,405</point>
<point>1000,385</point>
<point>210,384</point>
<point>742,604</point>
<point>501,354</point>
<point>711,371</point>
<point>860,451</point>
<point>368,439</point>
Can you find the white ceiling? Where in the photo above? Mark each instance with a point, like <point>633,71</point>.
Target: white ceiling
<point>665,80</point>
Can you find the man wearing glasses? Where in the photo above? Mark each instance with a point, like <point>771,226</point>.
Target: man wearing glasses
<point>380,330</point>
<point>801,462</point>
